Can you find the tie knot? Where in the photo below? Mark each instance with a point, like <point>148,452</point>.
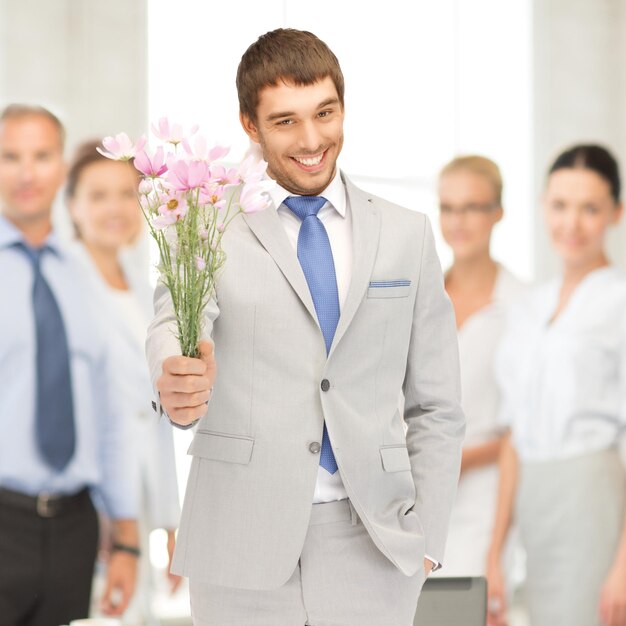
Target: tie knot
<point>305,206</point>
<point>33,254</point>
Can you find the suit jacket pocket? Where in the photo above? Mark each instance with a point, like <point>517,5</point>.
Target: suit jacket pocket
<point>222,447</point>
<point>388,291</point>
<point>395,458</point>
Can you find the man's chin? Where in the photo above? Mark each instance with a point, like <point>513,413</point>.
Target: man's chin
<point>309,185</point>
<point>27,214</point>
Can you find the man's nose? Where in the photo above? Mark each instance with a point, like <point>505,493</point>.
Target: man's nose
<point>27,171</point>
<point>310,138</point>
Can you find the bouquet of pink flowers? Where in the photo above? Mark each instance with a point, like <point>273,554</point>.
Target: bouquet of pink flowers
<point>188,199</point>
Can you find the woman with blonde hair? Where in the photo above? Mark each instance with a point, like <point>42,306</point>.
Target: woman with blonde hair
<point>481,290</point>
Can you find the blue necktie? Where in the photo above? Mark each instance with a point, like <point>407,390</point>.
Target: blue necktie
<point>316,259</point>
<point>54,412</point>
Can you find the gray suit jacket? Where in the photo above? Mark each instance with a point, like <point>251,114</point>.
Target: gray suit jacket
<point>253,474</point>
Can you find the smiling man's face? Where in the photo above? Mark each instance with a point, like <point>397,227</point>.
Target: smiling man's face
<point>300,130</point>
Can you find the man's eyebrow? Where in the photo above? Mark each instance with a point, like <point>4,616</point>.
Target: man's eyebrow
<point>280,114</point>
<point>328,102</point>
<point>275,116</point>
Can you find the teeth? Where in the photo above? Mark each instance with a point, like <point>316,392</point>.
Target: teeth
<point>310,160</point>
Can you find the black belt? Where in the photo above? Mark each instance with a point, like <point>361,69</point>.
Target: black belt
<point>45,504</point>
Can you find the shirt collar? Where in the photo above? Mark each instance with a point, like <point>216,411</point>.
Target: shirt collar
<point>10,234</point>
<point>335,193</point>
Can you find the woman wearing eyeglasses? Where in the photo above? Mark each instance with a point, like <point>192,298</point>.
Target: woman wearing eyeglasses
<point>562,370</point>
<point>481,290</point>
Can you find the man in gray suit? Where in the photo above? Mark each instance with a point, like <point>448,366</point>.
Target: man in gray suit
<point>311,498</point>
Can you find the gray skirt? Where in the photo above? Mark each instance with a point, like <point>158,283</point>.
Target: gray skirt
<point>570,515</point>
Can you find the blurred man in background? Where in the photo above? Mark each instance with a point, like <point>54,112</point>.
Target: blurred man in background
<point>61,437</point>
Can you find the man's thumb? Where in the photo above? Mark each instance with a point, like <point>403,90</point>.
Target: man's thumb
<point>206,351</point>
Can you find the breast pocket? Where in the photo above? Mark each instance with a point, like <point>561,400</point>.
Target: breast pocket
<point>399,288</point>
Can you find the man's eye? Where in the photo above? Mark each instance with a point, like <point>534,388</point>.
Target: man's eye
<point>323,114</point>
<point>285,122</point>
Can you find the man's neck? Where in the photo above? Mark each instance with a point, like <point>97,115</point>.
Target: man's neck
<point>35,231</point>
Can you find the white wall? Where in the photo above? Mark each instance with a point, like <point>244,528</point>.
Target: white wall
<point>82,59</point>
<point>579,95</point>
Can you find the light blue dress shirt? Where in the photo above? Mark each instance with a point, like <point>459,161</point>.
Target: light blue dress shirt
<point>102,457</point>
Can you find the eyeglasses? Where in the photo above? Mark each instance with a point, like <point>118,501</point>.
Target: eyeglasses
<point>467,209</point>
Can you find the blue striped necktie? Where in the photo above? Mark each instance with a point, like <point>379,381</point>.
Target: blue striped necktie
<point>316,258</point>
<point>54,412</point>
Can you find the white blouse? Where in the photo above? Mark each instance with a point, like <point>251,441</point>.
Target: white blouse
<point>471,521</point>
<point>478,340</point>
<point>563,383</point>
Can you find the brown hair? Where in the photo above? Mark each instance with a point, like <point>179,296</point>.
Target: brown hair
<point>84,155</point>
<point>284,54</point>
<point>16,111</point>
<point>480,165</point>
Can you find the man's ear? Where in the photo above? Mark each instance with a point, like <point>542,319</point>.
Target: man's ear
<point>249,127</point>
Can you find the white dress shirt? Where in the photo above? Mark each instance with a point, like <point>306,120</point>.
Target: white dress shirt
<point>563,382</point>
<point>335,215</point>
<point>103,456</point>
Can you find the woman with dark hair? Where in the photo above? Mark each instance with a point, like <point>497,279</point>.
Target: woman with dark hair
<point>562,372</point>
<point>102,200</point>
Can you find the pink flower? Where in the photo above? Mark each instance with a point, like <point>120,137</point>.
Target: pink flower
<point>151,167</point>
<point>202,152</point>
<point>120,147</point>
<point>252,169</point>
<point>204,233</point>
<point>200,263</point>
<point>211,195</point>
<point>183,175</point>
<point>170,133</point>
<point>223,177</point>
<point>221,228</point>
<point>163,221</point>
<point>254,197</point>
<point>173,208</point>
<point>145,187</point>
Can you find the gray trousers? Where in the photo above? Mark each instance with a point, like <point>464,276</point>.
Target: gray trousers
<point>342,579</point>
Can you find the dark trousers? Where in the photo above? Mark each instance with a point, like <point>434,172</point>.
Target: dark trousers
<point>46,560</point>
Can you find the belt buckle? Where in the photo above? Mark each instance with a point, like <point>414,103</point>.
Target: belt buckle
<point>43,505</point>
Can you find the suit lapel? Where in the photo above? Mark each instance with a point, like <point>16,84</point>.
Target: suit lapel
<point>271,234</point>
<point>365,236</point>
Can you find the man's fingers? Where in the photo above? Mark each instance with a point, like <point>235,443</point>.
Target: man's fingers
<point>189,400</point>
<point>183,366</point>
<point>182,384</point>
<point>185,416</point>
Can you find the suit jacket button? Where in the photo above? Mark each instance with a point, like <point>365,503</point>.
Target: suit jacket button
<point>325,385</point>
<point>315,447</point>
